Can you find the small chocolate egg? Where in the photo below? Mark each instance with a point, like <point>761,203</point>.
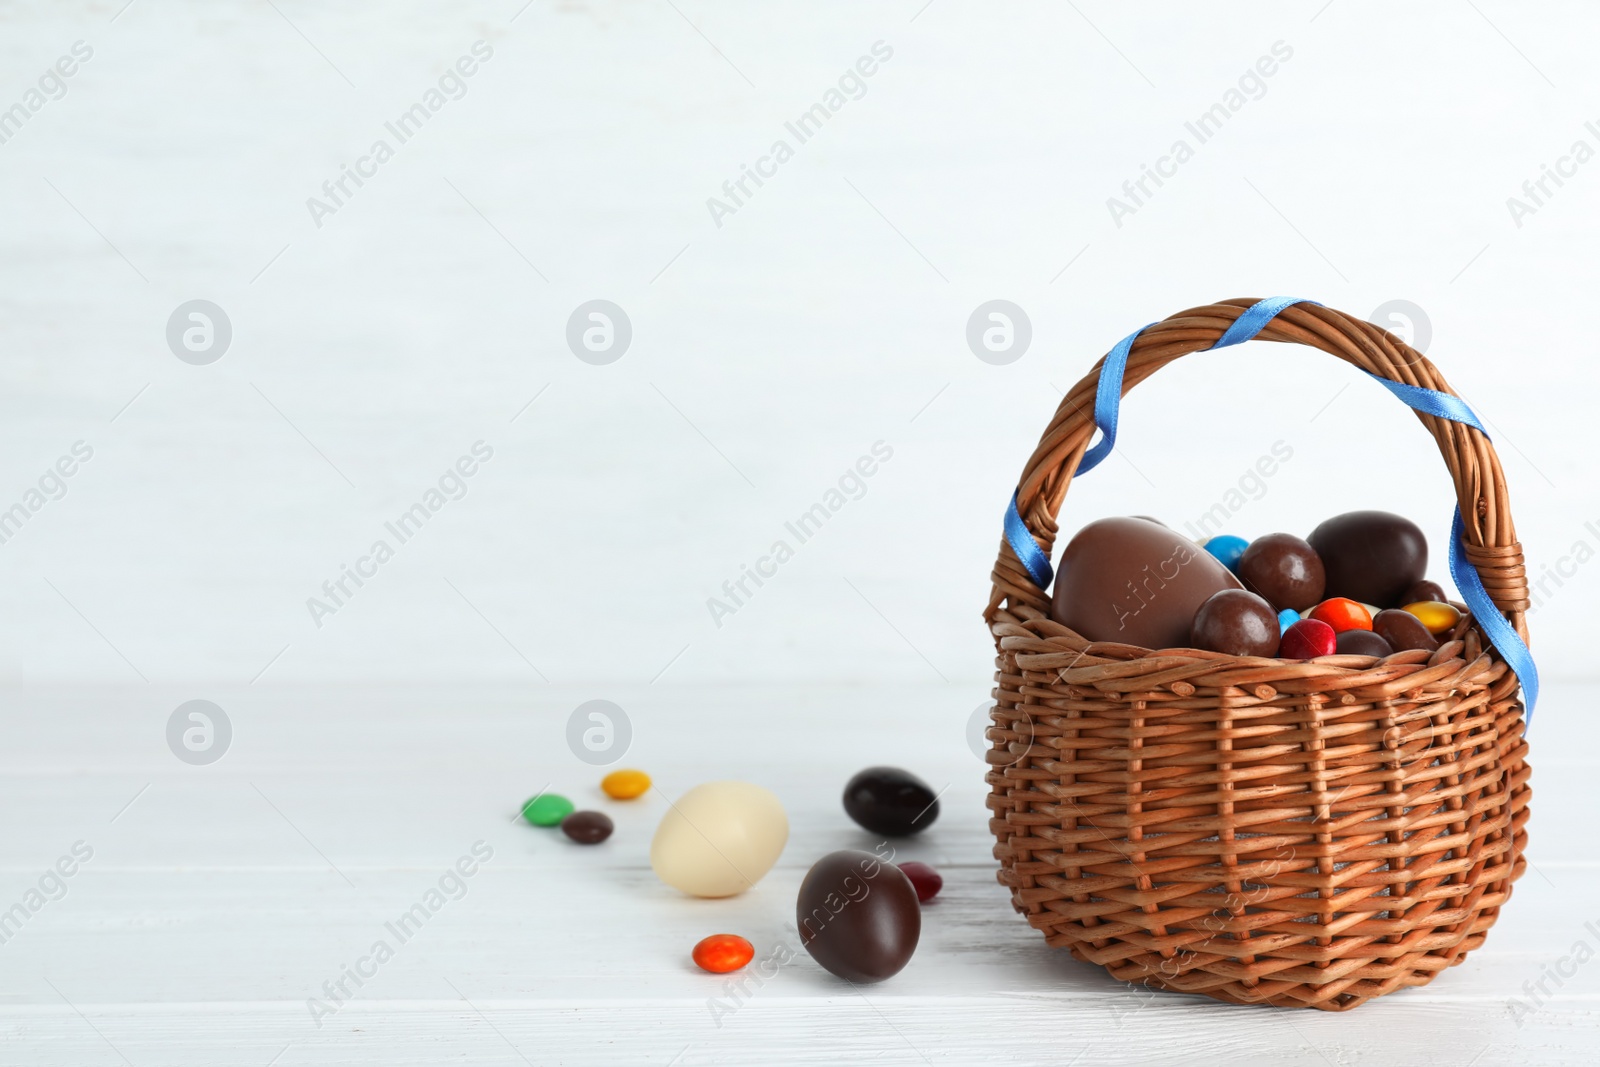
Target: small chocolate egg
<point>719,839</point>
<point>587,827</point>
<point>1287,618</point>
<point>1283,569</point>
<point>1308,639</point>
<point>1134,582</point>
<point>1423,592</point>
<point>890,801</point>
<point>1403,630</point>
<point>1370,556</point>
<point>858,916</point>
<point>1361,643</point>
<point>1236,622</point>
<point>1227,548</point>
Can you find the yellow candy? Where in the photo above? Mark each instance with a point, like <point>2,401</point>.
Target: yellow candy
<point>1435,616</point>
<point>625,785</point>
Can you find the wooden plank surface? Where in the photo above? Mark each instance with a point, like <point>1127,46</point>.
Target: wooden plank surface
<point>219,899</point>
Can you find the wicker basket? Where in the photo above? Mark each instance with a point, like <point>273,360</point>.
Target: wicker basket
<point>1304,834</point>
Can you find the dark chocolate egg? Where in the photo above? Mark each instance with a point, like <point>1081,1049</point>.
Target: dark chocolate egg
<point>1403,631</point>
<point>1372,557</point>
<point>1360,643</point>
<point>1236,622</point>
<point>890,801</point>
<point>1135,582</point>
<point>1283,570</point>
<point>858,916</point>
<point>1424,592</point>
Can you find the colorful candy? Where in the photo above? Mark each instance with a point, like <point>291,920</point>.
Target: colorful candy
<point>1342,614</point>
<point>587,827</point>
<point>1282,569</point>
<point>1287,618</point>
<point>547,809</point>
<point>1227,549</point>
<point>625,785</point>
<point>1404,631</point>
<point>1134,582</point>
<point>719,839</point>
<point>722,953</point>
<point>890,801</point>
<point>1370,556</point>
<point>1435,616</point>
<point>1236,622</point>
<point>924,879</point>
<point>1361,643</point>
<point>858,916</point>
<point>1308,639</point>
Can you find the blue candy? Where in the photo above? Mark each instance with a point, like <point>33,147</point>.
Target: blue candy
<point>1287,618</point>
<point>1227,548</point>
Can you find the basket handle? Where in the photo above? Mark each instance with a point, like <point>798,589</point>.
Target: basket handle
<point>1485,556</point>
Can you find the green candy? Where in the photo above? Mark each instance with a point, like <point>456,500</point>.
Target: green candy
<point>547,809</point>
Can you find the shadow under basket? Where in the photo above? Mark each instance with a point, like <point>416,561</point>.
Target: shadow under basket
<point>1261,831</point>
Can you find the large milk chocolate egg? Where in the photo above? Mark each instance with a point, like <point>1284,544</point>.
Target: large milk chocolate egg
<point>858,916</point>
<point>719,839</point>
<point>1134,582</point>
<point>1370,556</point>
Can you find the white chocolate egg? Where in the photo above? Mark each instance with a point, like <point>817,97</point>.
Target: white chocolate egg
<point>719,839</point>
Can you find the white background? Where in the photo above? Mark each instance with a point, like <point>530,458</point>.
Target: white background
<point>769,353</point>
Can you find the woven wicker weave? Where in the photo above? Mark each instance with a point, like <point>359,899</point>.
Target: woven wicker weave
<point>1308,834</point>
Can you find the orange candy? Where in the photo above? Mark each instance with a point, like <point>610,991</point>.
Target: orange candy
<point>1342,614</point>
<point>721,953</point>
<point>625,785</point>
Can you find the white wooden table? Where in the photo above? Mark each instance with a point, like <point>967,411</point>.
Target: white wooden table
<point>219,898</point>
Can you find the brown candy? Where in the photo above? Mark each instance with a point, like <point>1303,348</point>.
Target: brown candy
<point>1372,557</point>
<point>1135,582</point>
<point>1284,570</point>
<point>1424,592</point>
<point>1403,631</point>
<point>587,827</point>
<point>1236,622</point>
<point>1361,643</point>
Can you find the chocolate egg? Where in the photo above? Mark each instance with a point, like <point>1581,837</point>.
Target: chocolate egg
<point>858,916</point>
<point>1403,631</point>
<point>1283,570</point>
<point>1236,622</point>
<point>1370,556</point>
<point>1134,582</point>
<point>1424,591</point>
<point>890,801</point>
<point>719,839</point>
<point>1360,643</point>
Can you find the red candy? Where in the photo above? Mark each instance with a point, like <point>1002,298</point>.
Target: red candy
<point>1308,639</point>
<point>1342,614</point>
<point>924,879</point>
<point>721,953</point>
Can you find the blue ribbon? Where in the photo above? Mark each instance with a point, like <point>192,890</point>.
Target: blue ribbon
<point>1108,399</point>
<point>1026,548</point>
